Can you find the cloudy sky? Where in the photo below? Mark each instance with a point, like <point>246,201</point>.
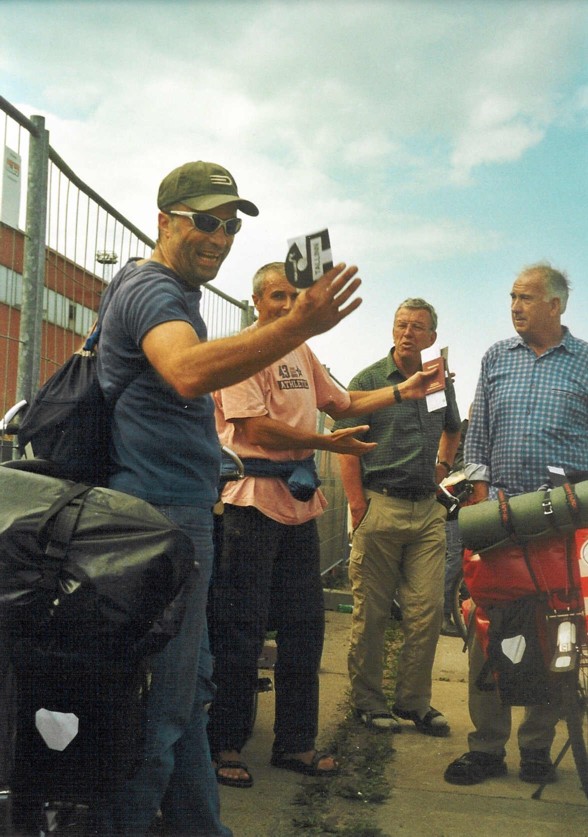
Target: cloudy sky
<point>443,143</point>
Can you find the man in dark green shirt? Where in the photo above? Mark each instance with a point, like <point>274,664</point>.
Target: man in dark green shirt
<point>399,531</point>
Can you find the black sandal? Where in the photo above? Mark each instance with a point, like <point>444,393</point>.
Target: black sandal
<point>426,724</point>
<point>298,766</point>
<point>236,765</point>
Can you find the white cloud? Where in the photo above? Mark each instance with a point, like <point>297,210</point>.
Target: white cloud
<point>315,85</point>
<point>492,138</point>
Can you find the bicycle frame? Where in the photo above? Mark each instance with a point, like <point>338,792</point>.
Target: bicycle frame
<point>570,662</point>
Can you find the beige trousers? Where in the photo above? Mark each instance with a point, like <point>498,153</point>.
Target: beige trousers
<point>398,548</point>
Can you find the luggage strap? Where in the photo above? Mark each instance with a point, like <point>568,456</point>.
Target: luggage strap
<point>505,515</point>
<point>65,513</point>
<point>572,502</point>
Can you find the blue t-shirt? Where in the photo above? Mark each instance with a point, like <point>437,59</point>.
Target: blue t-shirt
<point>165,449</point>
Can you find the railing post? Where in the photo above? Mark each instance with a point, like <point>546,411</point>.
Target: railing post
<point>31,312</point>
<point>247,314</point>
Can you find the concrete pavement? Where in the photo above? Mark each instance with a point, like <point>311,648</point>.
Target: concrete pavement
<point>421,803</point>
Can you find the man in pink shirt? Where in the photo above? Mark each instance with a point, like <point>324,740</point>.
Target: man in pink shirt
<point>268,570</point>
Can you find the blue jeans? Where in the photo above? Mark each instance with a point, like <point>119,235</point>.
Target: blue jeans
<point>176,775</point>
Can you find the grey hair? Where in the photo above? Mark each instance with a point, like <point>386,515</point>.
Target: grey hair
<point>557,284</point>
<point>260,276</point>
<point>418,303</point>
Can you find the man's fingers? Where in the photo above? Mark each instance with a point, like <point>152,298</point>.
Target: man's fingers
<point>350,431</point>
<point>341,279</point>
<point>343,294</point>
<point>345,312</point>
<point>338,271</point>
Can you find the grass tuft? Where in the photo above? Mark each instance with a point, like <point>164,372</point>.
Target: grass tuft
<point>344,804</point>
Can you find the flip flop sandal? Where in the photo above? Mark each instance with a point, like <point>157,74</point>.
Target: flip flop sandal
<point>227,780</point>
<point>298,766</point>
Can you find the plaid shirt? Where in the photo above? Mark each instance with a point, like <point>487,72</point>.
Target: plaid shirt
<point>529,412</point>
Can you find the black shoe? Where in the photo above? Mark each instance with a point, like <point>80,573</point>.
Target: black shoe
<point>537,767</point>
<point>474,767</point>
<point>448,627</point>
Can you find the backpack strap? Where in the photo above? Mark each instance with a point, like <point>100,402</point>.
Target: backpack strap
<point>92,338</point>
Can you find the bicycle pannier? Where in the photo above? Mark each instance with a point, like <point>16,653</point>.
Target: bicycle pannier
<point>515,653</point>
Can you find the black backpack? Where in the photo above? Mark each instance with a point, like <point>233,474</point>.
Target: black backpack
<point>68,421</point>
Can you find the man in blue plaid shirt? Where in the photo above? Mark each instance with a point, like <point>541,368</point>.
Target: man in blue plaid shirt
<point>530,411</point>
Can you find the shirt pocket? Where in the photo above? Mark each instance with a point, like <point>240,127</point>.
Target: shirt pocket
<point>566,414</point>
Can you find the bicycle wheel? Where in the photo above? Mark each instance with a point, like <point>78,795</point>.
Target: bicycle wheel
<point>575,708</point>
<point>458,595</point>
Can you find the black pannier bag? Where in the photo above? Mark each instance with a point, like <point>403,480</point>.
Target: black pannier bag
<point>92,581</point>
<point>516,659</point>
<point>7,712</point>
<point>94,567</point>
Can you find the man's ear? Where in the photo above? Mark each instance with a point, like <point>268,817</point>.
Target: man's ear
<point>255,299</point>
<point>433,338</point>
<point>163,223</point>
<point>556,306</point>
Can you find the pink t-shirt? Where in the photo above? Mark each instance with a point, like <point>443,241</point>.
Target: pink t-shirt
<point>290,390</point>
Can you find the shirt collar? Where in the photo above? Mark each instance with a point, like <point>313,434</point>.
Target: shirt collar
<point>391,368</point>
<point>566,342</point>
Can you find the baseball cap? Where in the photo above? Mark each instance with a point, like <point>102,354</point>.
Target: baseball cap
<point>201,186</point>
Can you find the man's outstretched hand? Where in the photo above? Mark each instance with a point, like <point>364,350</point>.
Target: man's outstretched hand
<point>344,441</point>
<point>323,305</point>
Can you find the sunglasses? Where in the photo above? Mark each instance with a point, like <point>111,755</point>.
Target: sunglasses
<point>209,223</point>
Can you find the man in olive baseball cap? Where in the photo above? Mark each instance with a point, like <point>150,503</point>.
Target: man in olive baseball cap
<point>202,186</point>
<point>157,368</point>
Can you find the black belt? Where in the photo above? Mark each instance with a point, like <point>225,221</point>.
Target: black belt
<point>412,495</point>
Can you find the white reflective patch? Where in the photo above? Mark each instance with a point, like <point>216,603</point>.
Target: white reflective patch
<point>58,729</point>
<point>514,647</point>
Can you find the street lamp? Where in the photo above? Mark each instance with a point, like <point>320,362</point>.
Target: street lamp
<point>106,257</point>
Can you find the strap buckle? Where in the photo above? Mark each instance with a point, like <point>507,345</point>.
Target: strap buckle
<point>546,503</point>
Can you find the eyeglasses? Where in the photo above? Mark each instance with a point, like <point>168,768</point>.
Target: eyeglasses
<point>416,327</point>
<point>203,222</point>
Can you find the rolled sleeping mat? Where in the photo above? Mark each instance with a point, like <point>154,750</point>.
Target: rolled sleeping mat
<point>524,517</point>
